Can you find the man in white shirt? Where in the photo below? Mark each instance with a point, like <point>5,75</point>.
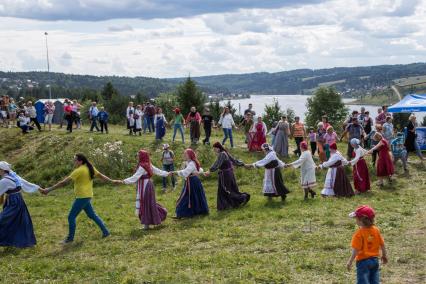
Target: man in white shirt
<point>93,116</point>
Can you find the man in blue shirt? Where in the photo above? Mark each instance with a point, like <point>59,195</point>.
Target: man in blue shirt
<point>103,120</point>
<point>93,116</point>
<point>398,150</point>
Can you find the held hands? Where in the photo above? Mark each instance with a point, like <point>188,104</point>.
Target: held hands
<point>117,181</point>
<point>248,166</point>
<point>384,259</point>
<point>207,174</point>
<point>170,174</point>
<point>44,191</point>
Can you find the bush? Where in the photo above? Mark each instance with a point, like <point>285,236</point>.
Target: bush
<point>167,102</point>
<point>325,101</point>
<point>400,120</point>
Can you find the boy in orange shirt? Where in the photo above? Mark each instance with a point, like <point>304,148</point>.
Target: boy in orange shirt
<point>366,244</point>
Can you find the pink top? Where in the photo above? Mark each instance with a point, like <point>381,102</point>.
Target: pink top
<point>330,138</point>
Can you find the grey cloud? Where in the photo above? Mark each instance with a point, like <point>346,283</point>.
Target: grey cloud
<point>236,23</point>
<point>65,59</point>
<point>30,62</point>
<point>94,10</point>
<point>405,8</point>
<point>250,41</point>
<point>120,28</point>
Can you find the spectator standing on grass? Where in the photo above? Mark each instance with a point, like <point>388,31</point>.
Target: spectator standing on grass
<point>368,127</point>
<point>366,245</point>
<point>93,116</point>
<point>49,110</point>
<point>160,123</point>
<point>103,120</point>
<point>194,120</point>
<point>68,116</point>
<point>281,137</point>
<point>247,124</point>
<point>410,141</point>
<point>32,113</point>
<point>207,121</point>
<point>149,115</point>
<point>355,130</point>
<point>179,122</point>
<point>388,129</point>
<point>76,107</point>
<point>312,140</point>
<point>226,121</point>
<point>137,120</point>
<point>130,111</point>
<point>321,131</point>
<point>299,134</point>
<point>12,112</point>
<point>168,161</point>
<point>398,150</point>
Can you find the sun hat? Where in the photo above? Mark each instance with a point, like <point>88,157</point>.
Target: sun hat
<point>5,166</point>
<point>166,146</point>
<point>363,211</point>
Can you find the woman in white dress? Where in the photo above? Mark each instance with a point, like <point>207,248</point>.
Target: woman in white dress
<point>138,120</point>
<point>130,111</point>
<point>147,208</point>
<point>273,183</point>
<point>336,182</point>
<point>307,167</point>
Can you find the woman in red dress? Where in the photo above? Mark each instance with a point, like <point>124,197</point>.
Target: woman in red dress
<point>258,135</point>
<point>359,168</point>
<point>384,166</point>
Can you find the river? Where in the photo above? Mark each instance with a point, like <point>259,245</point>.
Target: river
<point>295,102</point>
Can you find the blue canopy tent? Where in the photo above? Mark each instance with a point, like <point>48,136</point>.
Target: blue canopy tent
<point>413,103</point>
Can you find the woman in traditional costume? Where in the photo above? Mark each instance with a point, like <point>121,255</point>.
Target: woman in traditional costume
<point>336,182</point>
<point>384,167</point>
<point>307,167</point>
<point>281,137</point>
<point>228,194</point>
<point>147,208</point>
<point>16,227</point>
<point>273,183</point>
<point>194,121</point>
<point>192,200</point>
<point>160,124</point>
<point>258,135</point>
<point>359,167</point>
<point>82,177</point>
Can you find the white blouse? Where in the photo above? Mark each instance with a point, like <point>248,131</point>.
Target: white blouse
<point>271,156</point>
<point>6,184</point>
<point>226,121</point>
<point>305,161</point>
<point>359,153</point>
<point>141,171</point>
<point>157,116</point>
<point>128,110</point>
<point>191,168</point>
<point>333,159</point>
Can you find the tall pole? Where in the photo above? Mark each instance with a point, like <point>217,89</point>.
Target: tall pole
<point>48,66</point>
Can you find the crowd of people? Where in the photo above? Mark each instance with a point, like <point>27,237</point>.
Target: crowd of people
<point>365,137</point>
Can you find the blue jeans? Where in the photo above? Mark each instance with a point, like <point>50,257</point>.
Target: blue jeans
<point>367,271</point>
<point>86,205</point>
<point>149,124</point>
<point>168,168</point>
<point>228,134</point>
<point>94,125</point>
<point>180,127</point>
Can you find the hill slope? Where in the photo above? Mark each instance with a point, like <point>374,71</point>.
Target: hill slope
<point>295,242</point>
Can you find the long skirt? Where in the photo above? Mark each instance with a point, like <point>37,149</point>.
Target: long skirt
<point>273,183</point>
<point>361,176</point>
<point>160,129</point>
<point>384,165</point>
<point>194,131</point>
<point>342,186</point>
<point>228,194</point>
<point>150,212</point>
<point>281,143</point>
<point>16,226</point>
<point>192,200</point>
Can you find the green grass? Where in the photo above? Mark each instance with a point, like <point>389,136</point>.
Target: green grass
<point>294,242</point>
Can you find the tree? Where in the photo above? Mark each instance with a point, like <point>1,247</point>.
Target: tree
<point>215,109</point>
<point>400,120</point>
<point>108,92</point>
<point>273,113</point>
<point>167,102</point>
<point>189,95</point>
<point>325,101</point>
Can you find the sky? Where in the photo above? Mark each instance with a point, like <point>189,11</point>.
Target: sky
<point>160,38</point>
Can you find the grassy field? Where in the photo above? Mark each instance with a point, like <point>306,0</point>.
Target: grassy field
<point>291,242</point>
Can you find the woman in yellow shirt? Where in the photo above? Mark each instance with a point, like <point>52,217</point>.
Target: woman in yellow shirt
<point>82,177</point>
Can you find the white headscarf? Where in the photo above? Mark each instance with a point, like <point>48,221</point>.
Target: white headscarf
<point>5,166</point>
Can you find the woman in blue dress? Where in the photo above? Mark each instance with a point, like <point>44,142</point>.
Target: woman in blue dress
<point>160,124</point>
<point>192,200</point>
<point>16,226</point>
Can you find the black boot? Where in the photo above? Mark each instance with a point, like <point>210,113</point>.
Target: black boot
<point>313,193</point>
<point>306,194</point>
<point>283,197</point>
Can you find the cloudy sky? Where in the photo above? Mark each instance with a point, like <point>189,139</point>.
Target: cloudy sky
<point>162,38</point>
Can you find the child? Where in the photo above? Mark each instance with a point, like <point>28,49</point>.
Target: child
<point>167,159</point>
<point>399,151</point>
<point>366,244</point>
<point>103,120</point>
<point>313,140</point>
<point>307,168</point>
<point>330,137</point>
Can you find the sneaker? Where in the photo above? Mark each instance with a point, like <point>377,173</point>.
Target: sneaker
<point>106,235</point>
<point>66,241</point>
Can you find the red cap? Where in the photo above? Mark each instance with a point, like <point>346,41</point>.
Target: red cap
<point>333,146</point>
<point>363,211</point>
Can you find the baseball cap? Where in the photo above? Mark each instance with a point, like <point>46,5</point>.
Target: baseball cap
<point>363,211</point>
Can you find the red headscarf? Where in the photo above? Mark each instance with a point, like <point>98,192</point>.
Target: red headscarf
<point>333,146</point>
<point>304,145</point>
<point>145,162</point>
<point>191,154</point>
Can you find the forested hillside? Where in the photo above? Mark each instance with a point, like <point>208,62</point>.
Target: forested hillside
<point>347,80</point>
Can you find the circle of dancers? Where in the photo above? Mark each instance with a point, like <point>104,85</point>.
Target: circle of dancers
<point>16,228</point>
